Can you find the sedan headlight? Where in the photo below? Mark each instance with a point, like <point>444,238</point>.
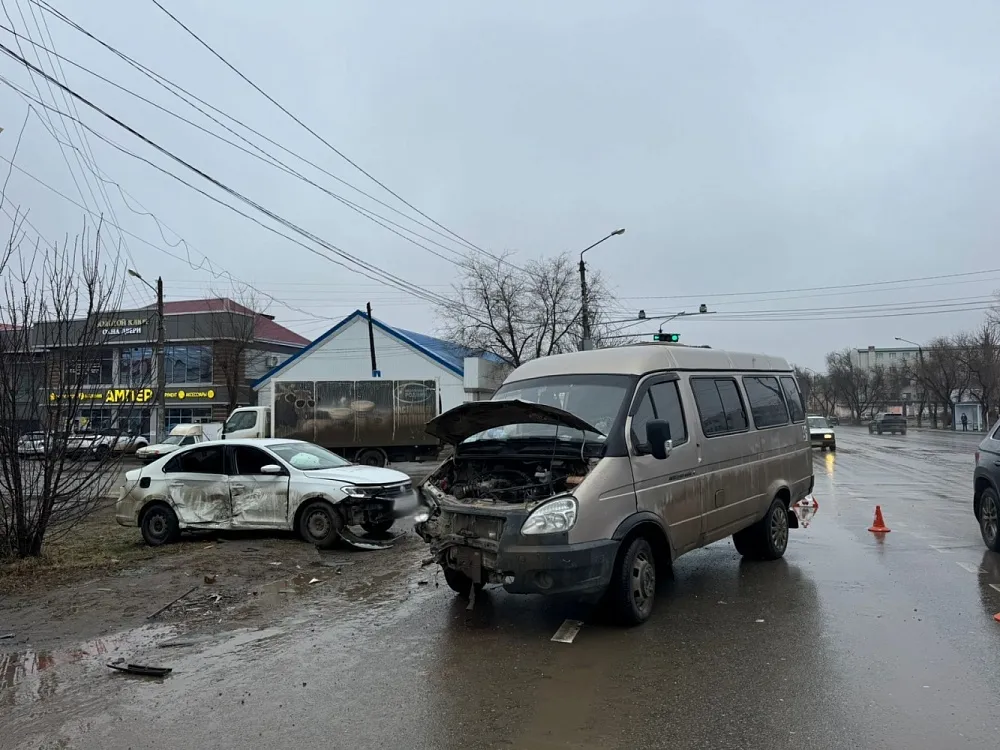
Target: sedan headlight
<point>551,517</point>
<point>353,491</point>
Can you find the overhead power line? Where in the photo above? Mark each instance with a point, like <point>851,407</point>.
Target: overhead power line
<point>186,96</point>
<point>266,158</point>
<point>308,129</point>
<point>370,268</point>
<point>826,287</point>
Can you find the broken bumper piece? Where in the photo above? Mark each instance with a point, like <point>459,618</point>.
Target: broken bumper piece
<point>558,569</point>
<point>491,549</point>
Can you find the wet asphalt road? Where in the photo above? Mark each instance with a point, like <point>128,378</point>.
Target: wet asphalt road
<point>849,642</point>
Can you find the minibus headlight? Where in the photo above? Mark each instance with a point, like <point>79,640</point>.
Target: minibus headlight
<point>552,517</point>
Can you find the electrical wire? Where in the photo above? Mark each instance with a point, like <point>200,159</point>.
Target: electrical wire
<point>268,159</point>
<point>312,132</point>
<point>187,97</point>
<point>865,285</point>
<point>391,279</point>
<point>52,124</point>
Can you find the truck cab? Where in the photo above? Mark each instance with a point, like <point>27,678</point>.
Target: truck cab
<point>180,436</point>
<point>248,422</point>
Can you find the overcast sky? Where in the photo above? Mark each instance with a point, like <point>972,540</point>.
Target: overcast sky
<point>751,149</point>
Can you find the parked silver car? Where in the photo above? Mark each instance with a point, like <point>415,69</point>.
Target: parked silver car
<point>262,484</point>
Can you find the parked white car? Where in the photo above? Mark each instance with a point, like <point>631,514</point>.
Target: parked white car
<point>180,436</point>
<point>111,441</point>
<point>269,483</point>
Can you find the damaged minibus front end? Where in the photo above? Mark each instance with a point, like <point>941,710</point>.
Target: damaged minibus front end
<point>502,506</point>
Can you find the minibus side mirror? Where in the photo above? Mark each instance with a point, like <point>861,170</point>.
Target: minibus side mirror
<point>658,438</point>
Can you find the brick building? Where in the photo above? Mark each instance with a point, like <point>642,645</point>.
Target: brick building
<point>214,349</point>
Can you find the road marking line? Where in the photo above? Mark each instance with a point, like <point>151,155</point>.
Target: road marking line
<point>995,587</point>
<point>968,567</point>
<point>942,550</point>
<point>567,631</point>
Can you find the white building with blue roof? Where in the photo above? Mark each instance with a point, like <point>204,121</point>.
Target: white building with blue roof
<point>344,353</point>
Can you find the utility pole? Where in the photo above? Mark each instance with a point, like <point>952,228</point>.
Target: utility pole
<point>161,363</point>
<point>371,341</point>
<point>586,342</point>
<point>161,355</point>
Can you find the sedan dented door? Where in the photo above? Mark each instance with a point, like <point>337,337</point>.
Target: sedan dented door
<point>259,500</point>
<point>200,498</point>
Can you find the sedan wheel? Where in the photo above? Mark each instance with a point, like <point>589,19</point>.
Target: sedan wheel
<point>320,524</point>
<point>159,525</point>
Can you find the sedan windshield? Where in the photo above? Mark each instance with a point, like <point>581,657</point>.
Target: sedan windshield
<point>596,399</point>
<point>173,439</point>
<point>818,423</point>
<point>307,457</point>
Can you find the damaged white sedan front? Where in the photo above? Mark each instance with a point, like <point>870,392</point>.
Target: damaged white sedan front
<point>262,484</point>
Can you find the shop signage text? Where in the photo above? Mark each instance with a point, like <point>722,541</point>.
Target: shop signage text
<point>133,395</point>
<point>121,326</point>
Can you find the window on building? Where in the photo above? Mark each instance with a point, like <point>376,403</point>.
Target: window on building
<point>193,415</point>
<point>794,398</point>
<point>767,404</point>
<point>135,367</point>
<point>90,368</point>
<point>878,356</point>
<point>719,406</point>
<point>91,420</point>
<point>189,364</point>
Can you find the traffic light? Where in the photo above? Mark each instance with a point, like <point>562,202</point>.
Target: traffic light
<point>671,338</point>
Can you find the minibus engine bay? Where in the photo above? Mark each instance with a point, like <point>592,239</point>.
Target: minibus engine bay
<point>506,481</point>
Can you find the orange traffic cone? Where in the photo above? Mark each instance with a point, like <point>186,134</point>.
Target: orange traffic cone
<point>878,525</point>
<point>997,617</point>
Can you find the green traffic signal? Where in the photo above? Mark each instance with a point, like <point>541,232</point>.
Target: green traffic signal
<point>672,338</point>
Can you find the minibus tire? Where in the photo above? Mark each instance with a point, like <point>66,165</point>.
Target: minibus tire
<point>636,569</point>
<point>763,541</point>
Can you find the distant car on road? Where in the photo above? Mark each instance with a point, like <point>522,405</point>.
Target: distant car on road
<point>834,420</point>
<point>985,496</point>
<point>821,433</point>
<point>891,423</point>
<point>271,483</point>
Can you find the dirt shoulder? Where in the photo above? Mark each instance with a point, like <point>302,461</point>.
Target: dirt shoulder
<point>101,578</point>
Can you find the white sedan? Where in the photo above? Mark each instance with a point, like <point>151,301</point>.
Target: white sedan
<point>262,484</point>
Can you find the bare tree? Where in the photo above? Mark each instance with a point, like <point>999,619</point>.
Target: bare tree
<point>806,380</point>
<point>234,330</point>
<point>55,307</point>
<point>979,354</point>
<point>860,388</point>
<point>941,371</point>
<point>523,314</point>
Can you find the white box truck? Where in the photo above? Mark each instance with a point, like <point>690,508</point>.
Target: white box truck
<point>371,422</point>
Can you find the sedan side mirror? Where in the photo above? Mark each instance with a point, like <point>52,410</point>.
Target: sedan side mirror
<point>658,438</point>
<point>271,469</point>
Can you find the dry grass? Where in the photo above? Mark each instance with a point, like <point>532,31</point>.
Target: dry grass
<point>97,544</point>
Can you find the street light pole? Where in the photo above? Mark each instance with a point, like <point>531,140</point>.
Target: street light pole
<point>586,343</point>
<point>161,356</point>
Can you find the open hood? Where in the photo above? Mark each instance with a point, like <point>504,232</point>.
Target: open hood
<point>469,419</point>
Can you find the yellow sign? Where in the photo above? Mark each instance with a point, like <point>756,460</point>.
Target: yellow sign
<point>132,395</point>
<point>190,394</point>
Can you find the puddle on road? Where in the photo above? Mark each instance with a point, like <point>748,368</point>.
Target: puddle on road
<point>27,676</point>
